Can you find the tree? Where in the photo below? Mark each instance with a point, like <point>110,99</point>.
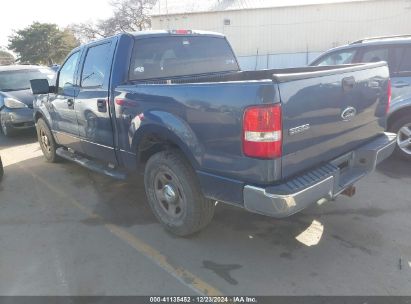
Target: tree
<point>42,43</point>
<point>128,16</point>
<point>6,58</point>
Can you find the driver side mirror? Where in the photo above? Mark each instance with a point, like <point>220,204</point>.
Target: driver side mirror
<point>40,86</point>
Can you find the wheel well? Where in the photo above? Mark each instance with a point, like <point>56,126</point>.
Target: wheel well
<point>397,115</point>
<point>151,144</point>
<point>37,116</point>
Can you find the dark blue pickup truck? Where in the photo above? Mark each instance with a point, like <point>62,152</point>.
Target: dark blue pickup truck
<point>175,106</point>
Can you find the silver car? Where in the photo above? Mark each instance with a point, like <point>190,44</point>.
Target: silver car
<point>16,98</point>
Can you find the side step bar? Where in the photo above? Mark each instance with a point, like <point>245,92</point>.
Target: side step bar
<point>91,164</point>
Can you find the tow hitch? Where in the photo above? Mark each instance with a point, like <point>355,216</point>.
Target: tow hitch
<point>349,191</point>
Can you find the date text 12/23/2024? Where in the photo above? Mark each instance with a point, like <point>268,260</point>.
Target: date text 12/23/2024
<point>204,299</point>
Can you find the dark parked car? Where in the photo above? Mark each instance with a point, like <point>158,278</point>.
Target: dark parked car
<point>16,98</point>
<point>176,107</point>
<point>396,51</point>
<point>1,170</point>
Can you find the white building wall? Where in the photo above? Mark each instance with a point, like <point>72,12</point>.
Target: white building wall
<point>293,36</point>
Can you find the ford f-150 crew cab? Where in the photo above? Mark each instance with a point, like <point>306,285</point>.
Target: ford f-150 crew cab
<point>175,106</point>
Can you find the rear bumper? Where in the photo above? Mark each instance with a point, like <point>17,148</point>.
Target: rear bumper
<point>325,182</point>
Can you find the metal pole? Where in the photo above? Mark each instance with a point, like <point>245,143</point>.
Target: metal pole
<point>256,61</point>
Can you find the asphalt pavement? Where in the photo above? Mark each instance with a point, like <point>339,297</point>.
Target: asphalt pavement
<point>67,231</point>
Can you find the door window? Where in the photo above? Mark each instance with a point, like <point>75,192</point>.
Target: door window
<point>339,57</point>
<point>375,55</point>
<point>379,54</point>
<point>96,66</point>
<point>67,71</point>
<point>405,62</point>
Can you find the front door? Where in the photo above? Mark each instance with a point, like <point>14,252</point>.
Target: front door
<point>93,113</point>
<point>64,119</point>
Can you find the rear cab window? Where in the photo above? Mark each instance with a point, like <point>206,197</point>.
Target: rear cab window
<point>174,56</point>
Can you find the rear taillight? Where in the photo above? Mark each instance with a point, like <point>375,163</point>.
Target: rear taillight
<point>262,127</point>
<point>389,91</point>
<point>181,32</point>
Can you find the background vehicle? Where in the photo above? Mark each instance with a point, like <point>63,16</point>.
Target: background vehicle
<point>1,170</point>
<point>396,51</point>
<point>16,99</point>
<point>175,106</point>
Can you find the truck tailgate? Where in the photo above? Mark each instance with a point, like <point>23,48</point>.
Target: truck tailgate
<point>326,115</point>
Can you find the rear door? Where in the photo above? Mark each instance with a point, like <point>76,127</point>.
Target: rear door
<point>401,76</point>
<point>394,56</point>
<point>93,114</point>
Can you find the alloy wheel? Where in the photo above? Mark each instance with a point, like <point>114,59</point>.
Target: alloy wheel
<point>404,138</point>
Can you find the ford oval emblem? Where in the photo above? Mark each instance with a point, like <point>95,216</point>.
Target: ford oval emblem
<point>348,113</point>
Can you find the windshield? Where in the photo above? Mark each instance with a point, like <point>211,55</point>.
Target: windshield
<point>180,56</point>
<point>20,79</point>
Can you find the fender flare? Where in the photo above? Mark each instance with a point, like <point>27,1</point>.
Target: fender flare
<point>170,128</point>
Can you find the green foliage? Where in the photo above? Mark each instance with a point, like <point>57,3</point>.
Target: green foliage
<point>6,58</point>
<point>42,43</point>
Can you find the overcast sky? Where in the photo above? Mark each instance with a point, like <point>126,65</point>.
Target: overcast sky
<point>17,14</point>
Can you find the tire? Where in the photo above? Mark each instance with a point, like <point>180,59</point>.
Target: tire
<point>397,127</point>
<point>7,131</point>
<point>46,140</point>
<point>174,194</point>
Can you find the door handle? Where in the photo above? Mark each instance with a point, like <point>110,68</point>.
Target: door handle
<point>102,105</point>
<point>70,103</point>
<point>400,84</point>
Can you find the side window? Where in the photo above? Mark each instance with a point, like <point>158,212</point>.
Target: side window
<point>405,62</point>
<point>378,54</point>
<point>375,55</point>
<point>66,75</point>
<point>96,66</point>
<point>339,57</point>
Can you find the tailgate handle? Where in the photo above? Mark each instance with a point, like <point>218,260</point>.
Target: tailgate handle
<point>348,83</point>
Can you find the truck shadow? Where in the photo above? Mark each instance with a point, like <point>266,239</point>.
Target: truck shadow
<point>124,204</point>
<point>395,167</point>
<point>120,203</point>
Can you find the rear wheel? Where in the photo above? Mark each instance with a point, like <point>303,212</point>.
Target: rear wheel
<point>46,141</point>
<point>174,194</point>
<point>402,127</point>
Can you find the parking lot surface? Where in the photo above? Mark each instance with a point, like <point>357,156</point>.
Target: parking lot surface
<point>67,231</point>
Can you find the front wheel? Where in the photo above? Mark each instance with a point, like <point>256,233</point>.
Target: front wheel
<point>174,194</point>
<point>402,127</point>
<point>46,140</point>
